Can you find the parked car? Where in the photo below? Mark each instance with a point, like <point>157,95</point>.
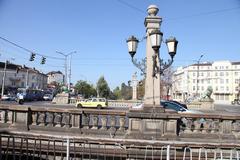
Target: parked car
<point>48,97</point>
<point>8,98</point>
<point>176,107</point>
<point>236,101</point>
<point>182,104</point>
<point>93,102</point>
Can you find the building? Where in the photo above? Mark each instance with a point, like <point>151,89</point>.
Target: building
<point>55,76</point>
<point>22,77</point>
<point>222,76</point>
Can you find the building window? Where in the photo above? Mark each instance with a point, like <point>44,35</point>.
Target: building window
<point>236,88</point>
<point>22,84</point>
<point>221,73</point>
<point>194,88</point>
<point>33,77</point>
<point>226,67</point>
<point>208,81</point>
<point>216,88</point>
<point>227,88</point>
<point>226,97</point>
<point>202,81</point>
<point>227,73</point>
<point>236,73</point>
<point>236,81</point>
<point>227,81</point>
<point>202,88</point>
<point>222,88</point>
<point>221,81</point>
<point>194,74</point>
<point>23,76</point>
<point>194,80</point>
<point>202,74</point>
<point>208,73</point>
<point>216,67</point>
<point>216,73</point>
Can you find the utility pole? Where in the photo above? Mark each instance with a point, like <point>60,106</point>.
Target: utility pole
<point>66,76</point>
<point>198,73</point>
<point>3,79</point>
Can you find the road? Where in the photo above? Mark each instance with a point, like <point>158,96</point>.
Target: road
<point>48,104</point>
<point>219,108</point>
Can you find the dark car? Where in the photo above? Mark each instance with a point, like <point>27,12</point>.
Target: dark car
<point>236,101</point>
<point>182,104</point>
<point>172,105</point>
<point>177,107</point>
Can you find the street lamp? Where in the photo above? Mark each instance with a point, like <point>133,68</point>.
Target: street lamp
<point>66,67</point>
<point>154,65</point>
<point>198,61</point>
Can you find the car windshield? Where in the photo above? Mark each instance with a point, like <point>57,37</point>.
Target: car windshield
<point>172,105</point>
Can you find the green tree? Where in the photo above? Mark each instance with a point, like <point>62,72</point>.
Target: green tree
<point>126,91</point>
<point>103,88</point>
<point>117,93</point>
<point>85,89</point>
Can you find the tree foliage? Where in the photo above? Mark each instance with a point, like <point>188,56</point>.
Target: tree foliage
<point>103,88</point>
<point>126,91</point>
<point>85,89</point>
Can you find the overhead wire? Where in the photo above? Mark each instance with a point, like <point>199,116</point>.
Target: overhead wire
<point>181,17</point>
<point>28,50</point>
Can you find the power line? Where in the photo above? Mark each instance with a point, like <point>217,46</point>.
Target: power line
<point>27,50</point>
<point>132,6</point>
<point>203,14</point>
<point>183,17</point>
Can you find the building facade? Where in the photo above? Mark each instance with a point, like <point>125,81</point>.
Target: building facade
<point>56,76</point>
<point>17,76</point>
<point>194,80</point>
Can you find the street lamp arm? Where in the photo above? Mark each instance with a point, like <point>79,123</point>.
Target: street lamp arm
<point>61,53</point>
<point>71,53</point>
<point>140,65</point>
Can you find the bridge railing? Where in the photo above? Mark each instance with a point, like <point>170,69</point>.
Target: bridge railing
<point>68,120</point>
<point>224,127</point>
<point>116,122</point>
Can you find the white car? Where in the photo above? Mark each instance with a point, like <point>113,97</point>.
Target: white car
<point>48,97</point>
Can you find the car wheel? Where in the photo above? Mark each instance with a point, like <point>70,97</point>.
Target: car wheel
<point>79,106</point>
<point>99,106</point>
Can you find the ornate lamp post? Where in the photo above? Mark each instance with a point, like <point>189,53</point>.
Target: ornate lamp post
<point>154,65</point>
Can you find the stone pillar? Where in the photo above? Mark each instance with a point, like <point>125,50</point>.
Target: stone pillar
<point>134,86</point>
<point>152,84</point>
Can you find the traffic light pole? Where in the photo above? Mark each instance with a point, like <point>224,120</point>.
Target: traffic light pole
<point>3,79</point>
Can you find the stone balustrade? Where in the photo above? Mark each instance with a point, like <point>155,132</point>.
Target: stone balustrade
<point>210,126</point>
<point>123,123</point>
<point>78,121</point>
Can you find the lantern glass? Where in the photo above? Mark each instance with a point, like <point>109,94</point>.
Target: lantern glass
<point>172,46</point>
<point>132,45</point>
<point>156,39</point>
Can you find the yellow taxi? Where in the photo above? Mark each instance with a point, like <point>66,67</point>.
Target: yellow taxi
<point>93,102</point>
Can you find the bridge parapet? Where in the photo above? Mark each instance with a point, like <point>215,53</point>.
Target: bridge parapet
<point>123,123</point>
<point>210,126</point>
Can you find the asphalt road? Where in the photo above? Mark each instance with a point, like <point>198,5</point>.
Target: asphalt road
<point>220,108</point>
<point>49,104</point>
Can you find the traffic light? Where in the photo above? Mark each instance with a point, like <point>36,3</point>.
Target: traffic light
<point>43,60</point>
<point>32,57</point>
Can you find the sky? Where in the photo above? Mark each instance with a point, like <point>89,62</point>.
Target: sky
<point>97,30</point>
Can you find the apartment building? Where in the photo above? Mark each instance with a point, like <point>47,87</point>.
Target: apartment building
<point>17,76</point>
<point>222,76</point>
<point>56,76</point>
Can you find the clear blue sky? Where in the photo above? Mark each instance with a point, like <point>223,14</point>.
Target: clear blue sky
<point>98,29</point>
